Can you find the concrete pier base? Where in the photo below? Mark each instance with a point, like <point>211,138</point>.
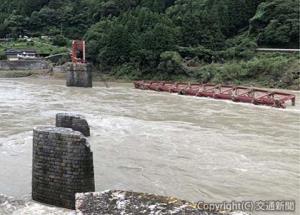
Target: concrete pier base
<point>79,75</point>
<point>62,166</point>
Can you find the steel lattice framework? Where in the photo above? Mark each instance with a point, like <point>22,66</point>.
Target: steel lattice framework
<point>226,92</point>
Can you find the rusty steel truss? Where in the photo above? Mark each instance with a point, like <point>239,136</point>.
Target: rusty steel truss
<point>78,53</point>
<point>225,92</point>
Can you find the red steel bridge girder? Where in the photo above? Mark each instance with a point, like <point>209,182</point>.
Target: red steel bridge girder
<point>224,92</point>
<point>78,53</point>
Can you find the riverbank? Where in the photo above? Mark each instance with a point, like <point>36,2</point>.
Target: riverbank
<point>263,70</point>
<point>288,78</point>
<point>15,74</point>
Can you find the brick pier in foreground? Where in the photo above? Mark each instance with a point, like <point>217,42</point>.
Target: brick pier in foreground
<point>62,164</point>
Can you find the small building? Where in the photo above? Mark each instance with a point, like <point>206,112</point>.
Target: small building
<point>5,40</point>
<point>17,54</point>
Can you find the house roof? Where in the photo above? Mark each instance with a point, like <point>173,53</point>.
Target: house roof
<point>19,51</point>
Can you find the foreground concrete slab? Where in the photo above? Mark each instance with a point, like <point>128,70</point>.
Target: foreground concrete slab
<point>115,202</point>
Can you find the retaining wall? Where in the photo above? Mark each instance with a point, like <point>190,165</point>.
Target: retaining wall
<point>24,65</point>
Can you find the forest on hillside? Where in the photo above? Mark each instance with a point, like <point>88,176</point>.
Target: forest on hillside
<point>168,39</point>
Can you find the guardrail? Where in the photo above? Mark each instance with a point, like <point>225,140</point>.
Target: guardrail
<point>277,50</point>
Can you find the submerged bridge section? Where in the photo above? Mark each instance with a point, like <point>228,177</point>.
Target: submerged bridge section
<point>224,92</point>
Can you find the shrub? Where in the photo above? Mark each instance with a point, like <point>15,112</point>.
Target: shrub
<point>170,63</point>
<point>229,73</point>
<point>206,73</point>
<point>272,67</point>
<point>241,47</point>
<point>59,40</point>
<point>126,71</point>
<point>270,71</point>
<point>199,51</point>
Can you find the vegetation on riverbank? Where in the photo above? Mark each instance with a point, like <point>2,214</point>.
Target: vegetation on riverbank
<point>199,40</point>
<point>276,71</point>
<point>265,70</point>
<point>43,46</point>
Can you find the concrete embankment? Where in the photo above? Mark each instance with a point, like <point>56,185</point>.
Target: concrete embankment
<point>23,68</point>
<point>24,65</point>
<point>15,73</point>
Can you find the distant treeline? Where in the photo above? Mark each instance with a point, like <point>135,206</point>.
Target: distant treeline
<point>149,35</point>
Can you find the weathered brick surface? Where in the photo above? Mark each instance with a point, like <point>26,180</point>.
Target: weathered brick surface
<point>79,75</point>
<point>62,166</point>
<point>75,121</point>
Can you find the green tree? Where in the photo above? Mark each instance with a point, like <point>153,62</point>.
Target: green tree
<point>16,24</point>
<point>59,40</point>
<point>139,36</point>
<point>276,23</point>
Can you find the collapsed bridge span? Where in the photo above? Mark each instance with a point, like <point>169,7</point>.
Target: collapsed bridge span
<point>225,92</point>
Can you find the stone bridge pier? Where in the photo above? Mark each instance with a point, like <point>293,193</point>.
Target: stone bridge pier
<point>62,163</point>
<point>79,75</point>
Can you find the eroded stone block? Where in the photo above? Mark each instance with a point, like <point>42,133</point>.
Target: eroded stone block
<point>75,121</point>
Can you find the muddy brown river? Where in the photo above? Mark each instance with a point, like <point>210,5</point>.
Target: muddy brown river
<point>192,148</point>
